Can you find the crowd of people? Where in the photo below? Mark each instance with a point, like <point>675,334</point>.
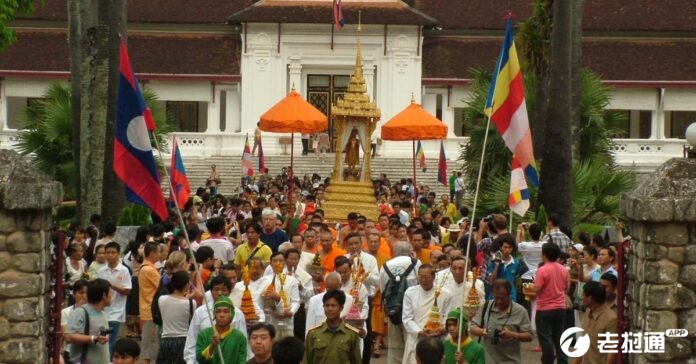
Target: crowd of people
<point>258,277</point>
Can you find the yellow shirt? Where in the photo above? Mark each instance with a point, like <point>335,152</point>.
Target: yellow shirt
<point>243,252</point>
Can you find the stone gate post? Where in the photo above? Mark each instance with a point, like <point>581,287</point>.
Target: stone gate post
<point>26,199</point>
<point>662,260</point>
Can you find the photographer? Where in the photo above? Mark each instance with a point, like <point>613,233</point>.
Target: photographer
<point>88,328</point>
<point>501,325</point>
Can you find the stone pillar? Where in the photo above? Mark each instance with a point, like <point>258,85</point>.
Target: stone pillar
<point>295,74</point>
<point>213,111</point>
<point>662,261</point>
<point>26,200</point>
<point>3,106</point>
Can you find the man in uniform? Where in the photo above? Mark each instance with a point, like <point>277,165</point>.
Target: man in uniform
<point>333,341</point>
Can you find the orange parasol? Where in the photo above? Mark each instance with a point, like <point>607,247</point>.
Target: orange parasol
<point>414,123</point>
<point>293,115</point>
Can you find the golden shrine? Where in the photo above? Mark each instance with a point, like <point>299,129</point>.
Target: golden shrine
<point>355,118</point>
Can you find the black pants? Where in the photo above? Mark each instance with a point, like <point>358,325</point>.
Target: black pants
<point>550,325</point>
<point>305,146</point>
<point>300,321</point>
<point>373,146</point>
<point>367,341</point>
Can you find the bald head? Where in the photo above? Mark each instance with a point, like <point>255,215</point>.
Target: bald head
<point>333,281</point>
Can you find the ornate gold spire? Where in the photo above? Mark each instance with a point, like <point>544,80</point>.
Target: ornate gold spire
<point>356,102</point>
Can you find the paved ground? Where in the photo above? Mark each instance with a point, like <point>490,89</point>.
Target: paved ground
<point>527,355</point>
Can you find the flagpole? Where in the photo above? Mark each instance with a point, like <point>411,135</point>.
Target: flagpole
<point>415,185</point>
<point>186,236</point>
<point>473,209</point>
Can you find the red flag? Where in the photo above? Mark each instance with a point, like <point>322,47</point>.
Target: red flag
<point>442,166</point>
<point>180,184</point>
<point>338,14</point>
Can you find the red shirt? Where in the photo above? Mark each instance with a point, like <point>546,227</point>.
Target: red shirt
<point>552,282</point>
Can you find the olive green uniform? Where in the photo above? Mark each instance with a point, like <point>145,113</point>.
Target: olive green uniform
<point>326,346</point>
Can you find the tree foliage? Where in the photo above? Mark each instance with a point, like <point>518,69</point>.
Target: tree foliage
<point>47,134</point>
<point>8,10</point>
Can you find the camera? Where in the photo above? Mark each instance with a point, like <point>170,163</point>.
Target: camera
<point>488,218</point>
<point>496,337</point>
<point>105,331</point>
<point>498,256</point>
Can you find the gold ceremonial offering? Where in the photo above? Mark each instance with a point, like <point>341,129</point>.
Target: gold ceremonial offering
<point>434,323</point>
<point>471,303</point>
<point>358,275</point>
<point>528,291</point>
<point>283,296</point>
<point>247,303</point>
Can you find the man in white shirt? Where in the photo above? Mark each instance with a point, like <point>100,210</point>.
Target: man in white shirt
<point>403,258</point>
<point>224,250</point>
<point>119,278</point>
<point>368,262</point>
<point>257,284</point>
<point>454,283</point>
<point>418,302</point>
<point>282,310</point>
<point>315,306</point>
<point>220,286</point>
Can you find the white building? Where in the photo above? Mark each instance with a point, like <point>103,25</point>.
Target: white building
<point>217,68</point>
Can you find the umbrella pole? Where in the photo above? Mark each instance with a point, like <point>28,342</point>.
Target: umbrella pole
<point>292,173</point>
<point>415,185</point>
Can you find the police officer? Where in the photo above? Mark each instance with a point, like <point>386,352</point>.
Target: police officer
<point>334,341</point>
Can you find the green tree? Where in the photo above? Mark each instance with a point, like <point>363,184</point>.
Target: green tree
<point>8,11</point>
<point>47,134</point>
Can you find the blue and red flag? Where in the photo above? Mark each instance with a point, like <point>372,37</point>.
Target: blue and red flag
<point>262,159</point>
<point>442,166</point>
<point>181,190</point>
<point>134,163</point>
<point>339,22</point>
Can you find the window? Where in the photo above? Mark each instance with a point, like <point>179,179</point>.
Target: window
<point>188,116</point>
<point>460,129</point>
<point>637,124</point>
<point>678,121</point>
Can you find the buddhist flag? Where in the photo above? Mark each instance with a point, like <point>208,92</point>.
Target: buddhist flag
<point>421,157</point>
<point>247,164</point>
<point>507,109</point>
<point>442,166</point>
<point>519,194</point>
<point>262,158</point>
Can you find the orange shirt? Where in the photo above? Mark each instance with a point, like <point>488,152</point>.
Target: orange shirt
<point>328,260</point>
<point>148,281</point>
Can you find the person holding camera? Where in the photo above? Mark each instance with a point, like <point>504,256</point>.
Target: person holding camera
<point>501,325</point>
<point>88,329</point>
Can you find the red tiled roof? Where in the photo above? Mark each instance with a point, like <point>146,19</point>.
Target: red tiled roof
<point>152,53</point>
<point>598,15</point>
<point>271,11</point>
<point>650,60</point>
<point>157,11</point>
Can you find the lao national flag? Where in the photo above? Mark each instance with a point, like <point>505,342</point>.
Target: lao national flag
<point>262,159</point>
<point>181,190</point>
<point>338,14</point>
<point>442,166</point>
<point>247,163</point>
<point>134,163</point>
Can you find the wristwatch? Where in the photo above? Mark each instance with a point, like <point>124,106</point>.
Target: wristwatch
<point>93,339</point>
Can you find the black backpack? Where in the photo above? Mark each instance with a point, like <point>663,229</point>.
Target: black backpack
<point>393,295</point>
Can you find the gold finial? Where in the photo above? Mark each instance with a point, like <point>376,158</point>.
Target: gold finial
<point>413,98</point>
<point>292,89</point>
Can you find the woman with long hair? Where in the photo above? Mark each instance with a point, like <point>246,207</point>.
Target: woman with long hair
<point>177,310</point>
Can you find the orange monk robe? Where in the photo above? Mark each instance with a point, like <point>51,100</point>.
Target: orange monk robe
<point>424,256</point>
<point>327,261</point>
<point>383,249</point>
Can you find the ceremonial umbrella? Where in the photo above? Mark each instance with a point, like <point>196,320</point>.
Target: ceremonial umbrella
<point>293,115</point>
<point>414,123</point>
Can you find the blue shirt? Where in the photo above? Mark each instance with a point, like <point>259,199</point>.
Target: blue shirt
<point>597,273</point>
<point>274,239</point>
<point>509,272</point>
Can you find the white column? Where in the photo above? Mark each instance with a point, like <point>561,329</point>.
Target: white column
<point>430,103</point>
<point>3,106</point>
<point>369,75</point>
<point>295,74</point>
<point>214,112</point>
<point>658,119</point>
<point>232,111</point>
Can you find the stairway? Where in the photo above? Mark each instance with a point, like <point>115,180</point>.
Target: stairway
<point>198,169</point>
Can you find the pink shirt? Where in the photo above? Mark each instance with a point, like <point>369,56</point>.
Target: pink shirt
<point>552,281</point>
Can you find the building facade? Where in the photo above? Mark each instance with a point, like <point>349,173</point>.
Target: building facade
<point>217,67</point>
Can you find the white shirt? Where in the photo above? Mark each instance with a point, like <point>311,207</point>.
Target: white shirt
<point>460,291</point>
<point>531,252</point>
<point>302,276</point>
<point>397,265</point>
<point>292,291</point>
<point>369,263</point>
<point>306,259</point>
<point>459,184</point>
<point>256,288</point>
<point>201,321</point>
<point>118,276</point>
<point>403,217</point>
<point>176,312</point>
<point>224,250</point>
<point>315,310</point>
<point>417,305</point>
<point>362,296</point>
